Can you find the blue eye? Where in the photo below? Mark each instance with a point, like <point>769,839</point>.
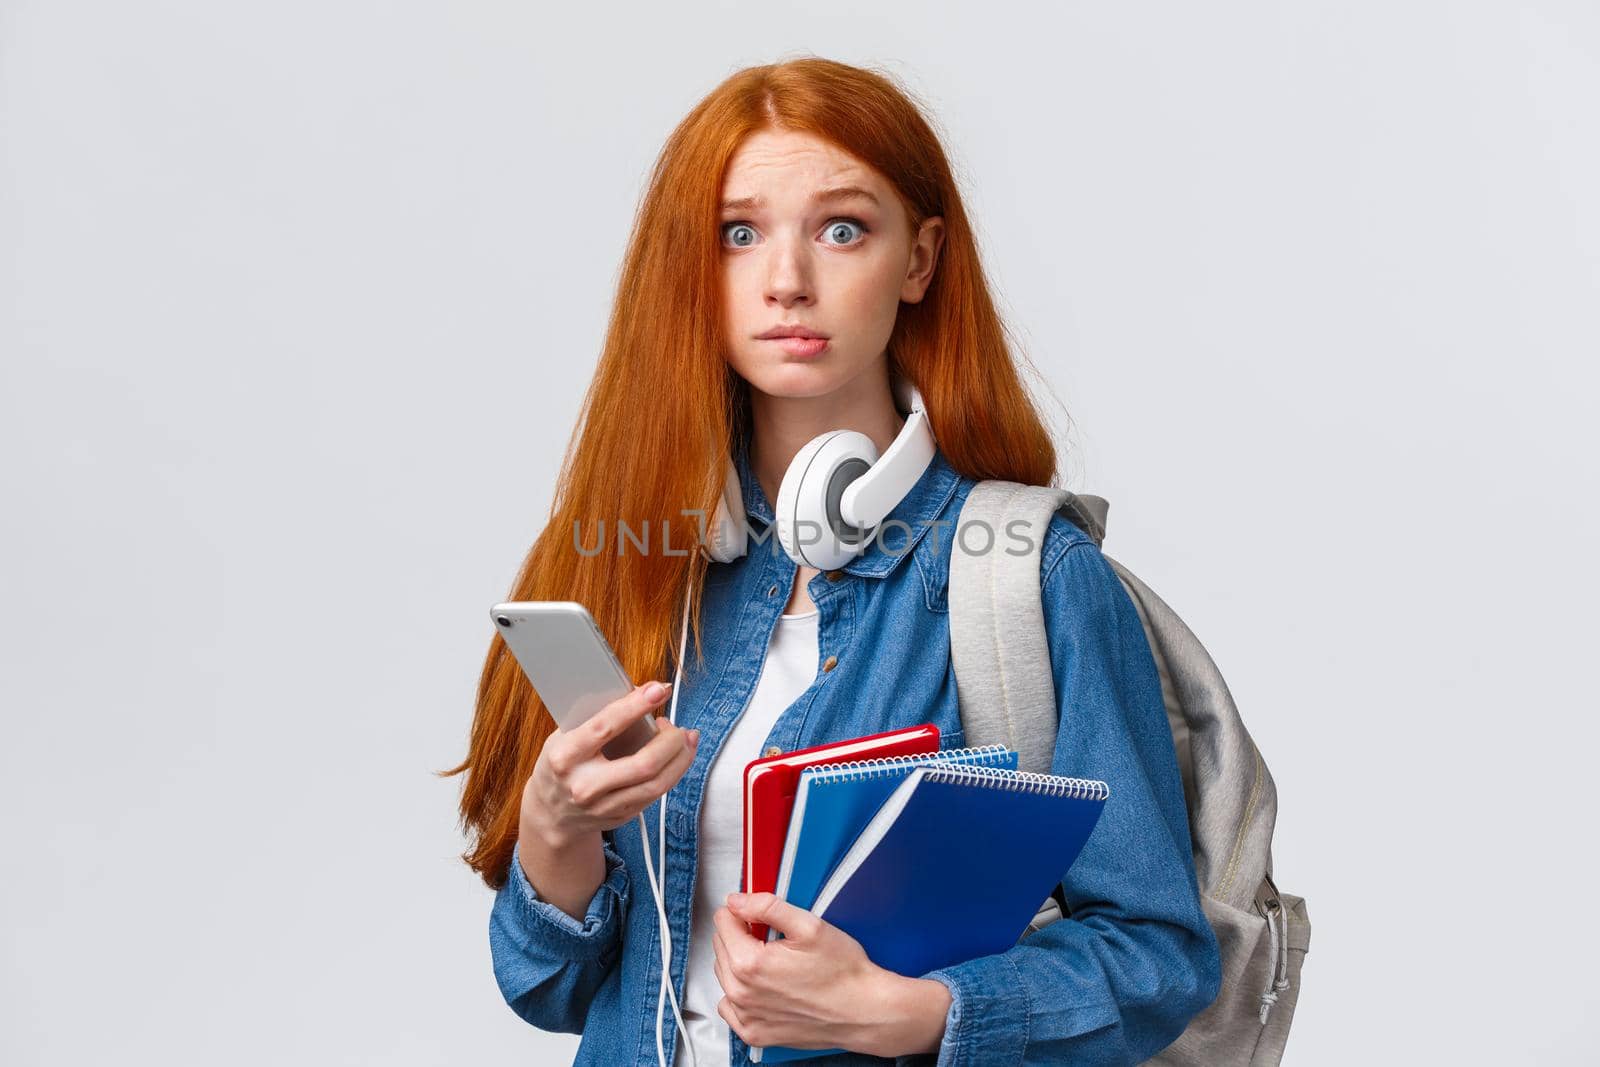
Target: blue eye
<point>840,228</point>
<point>731,227</point>
<point>841,232</point>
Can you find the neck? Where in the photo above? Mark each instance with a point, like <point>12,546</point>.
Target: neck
<point>781,425</point>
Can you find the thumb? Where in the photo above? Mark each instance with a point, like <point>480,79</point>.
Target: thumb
<point>613,720</point>
<point>786,918</point>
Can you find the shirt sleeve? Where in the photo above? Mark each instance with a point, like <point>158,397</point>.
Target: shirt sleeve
<point>1120,977</point>
<point>548,964</point>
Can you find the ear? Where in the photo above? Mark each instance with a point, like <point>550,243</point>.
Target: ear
<point>924,257</point>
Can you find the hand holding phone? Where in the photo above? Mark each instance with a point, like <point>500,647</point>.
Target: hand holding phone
<point>611,757</point>
<point>574,789</point>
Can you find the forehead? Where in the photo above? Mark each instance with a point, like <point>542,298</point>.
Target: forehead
<point>775,163</point>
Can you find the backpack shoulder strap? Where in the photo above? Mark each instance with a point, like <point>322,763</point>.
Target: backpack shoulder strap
<point>1087,513</point>
<point>997,632</point>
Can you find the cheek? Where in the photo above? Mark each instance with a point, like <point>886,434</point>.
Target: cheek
<point>874,291</point>
<point>731,303</point>
<point>744,289</point>
<point>735,304</point>
<point>741,317</point>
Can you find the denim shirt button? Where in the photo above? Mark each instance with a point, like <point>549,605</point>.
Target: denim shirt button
<point>771,750</point>
<point>834,576</point>
<point>830,663</point>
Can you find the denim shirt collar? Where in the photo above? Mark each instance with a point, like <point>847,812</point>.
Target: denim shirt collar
<point>890,542</point>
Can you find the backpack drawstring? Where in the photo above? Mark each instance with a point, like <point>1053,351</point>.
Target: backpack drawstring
<point>1278,949</point>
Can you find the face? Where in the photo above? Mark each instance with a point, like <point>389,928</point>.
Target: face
<point>813,237</point>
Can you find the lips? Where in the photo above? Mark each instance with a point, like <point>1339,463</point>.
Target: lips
<point>801,346</point>
<point>791,330</point>
<point>795,339</point>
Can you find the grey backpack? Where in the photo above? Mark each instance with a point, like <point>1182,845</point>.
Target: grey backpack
<point>1007,696</point>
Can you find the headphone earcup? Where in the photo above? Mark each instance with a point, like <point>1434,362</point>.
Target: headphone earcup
<point>726,537</point>
<point>810,528</point>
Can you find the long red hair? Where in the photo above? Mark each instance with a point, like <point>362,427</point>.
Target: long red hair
<point>665,408</point>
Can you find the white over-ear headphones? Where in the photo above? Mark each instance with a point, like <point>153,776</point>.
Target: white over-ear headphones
<point>834,494</point>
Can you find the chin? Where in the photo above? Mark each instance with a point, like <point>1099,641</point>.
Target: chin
<point>796,380</point>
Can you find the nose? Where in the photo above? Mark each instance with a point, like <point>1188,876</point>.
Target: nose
<point>789,273</point>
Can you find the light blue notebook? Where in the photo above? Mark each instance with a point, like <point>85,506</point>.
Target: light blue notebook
<point>832,804</point>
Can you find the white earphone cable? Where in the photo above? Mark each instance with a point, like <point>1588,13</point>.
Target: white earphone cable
<point>656,886</point>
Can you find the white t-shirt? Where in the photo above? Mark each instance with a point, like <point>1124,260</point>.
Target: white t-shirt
<point>788,670</point>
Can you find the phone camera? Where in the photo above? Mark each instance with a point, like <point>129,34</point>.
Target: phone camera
<point>503,620</point>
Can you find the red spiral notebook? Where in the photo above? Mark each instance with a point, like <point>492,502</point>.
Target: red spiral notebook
<point>771,782</point>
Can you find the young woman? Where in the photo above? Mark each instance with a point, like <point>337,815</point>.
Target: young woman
<point>800,259</point>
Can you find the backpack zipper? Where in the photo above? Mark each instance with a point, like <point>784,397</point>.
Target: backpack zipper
<point>1278,948</point>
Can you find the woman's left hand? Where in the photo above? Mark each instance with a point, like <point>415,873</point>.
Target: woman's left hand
<point>816,988</point>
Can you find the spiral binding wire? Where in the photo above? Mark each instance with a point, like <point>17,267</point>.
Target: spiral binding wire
<point>1019,781</point>
<point>879,766</point>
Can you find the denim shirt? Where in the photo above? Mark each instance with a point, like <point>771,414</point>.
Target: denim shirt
<point>1113,983</point>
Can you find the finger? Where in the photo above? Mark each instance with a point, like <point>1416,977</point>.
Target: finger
<point>791,921</point>
<point>636,798</point>
<point>739,946</point>
<point>736,919</point>
<point>613,719</point>
<point>719,966</point>
<point>720,951</point>
<point>641,766</point>
<point>735,990</point>
<point>735,1021</point>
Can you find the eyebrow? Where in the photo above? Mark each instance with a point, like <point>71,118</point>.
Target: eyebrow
<point>822,196</point>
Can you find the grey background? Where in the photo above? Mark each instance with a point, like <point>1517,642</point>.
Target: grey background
<point>297,307</point>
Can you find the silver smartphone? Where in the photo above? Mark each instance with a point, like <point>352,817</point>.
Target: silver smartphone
<point>571,665</point>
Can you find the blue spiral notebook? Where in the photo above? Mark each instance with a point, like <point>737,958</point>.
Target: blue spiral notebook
<point>953,866</point>
<point>834,803</point>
